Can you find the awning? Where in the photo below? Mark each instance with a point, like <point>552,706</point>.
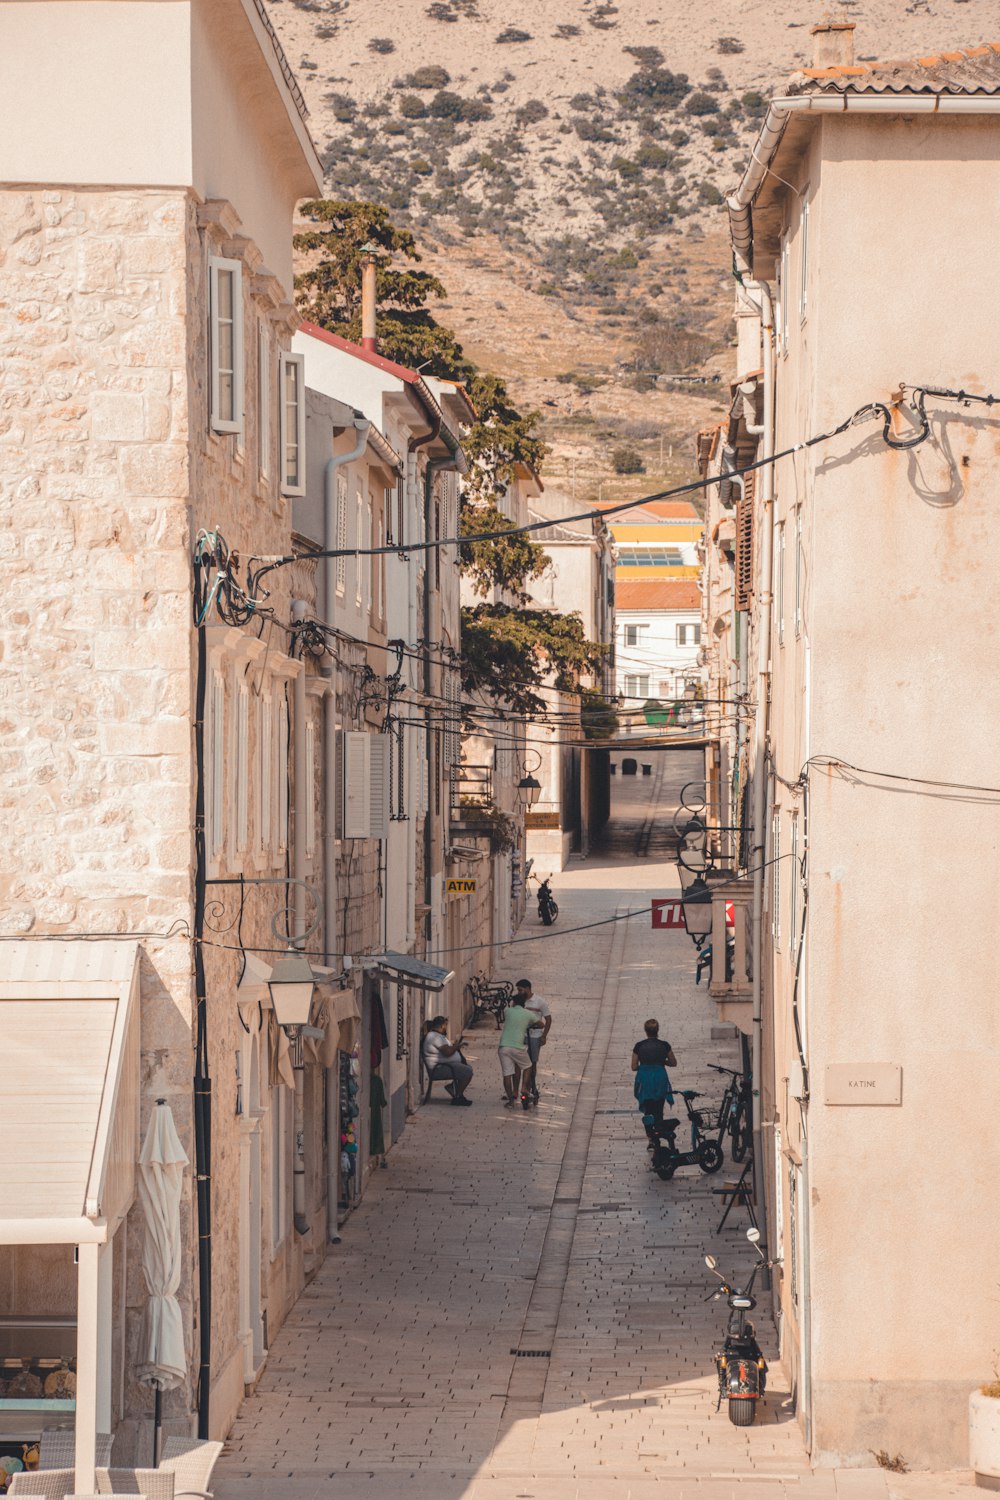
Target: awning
<point>412,971</point>
<point>69,1038</point>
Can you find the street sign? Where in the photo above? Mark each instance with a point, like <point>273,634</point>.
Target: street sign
<point>670,914</point>
<point>461,887</point>
<point>667,914</point>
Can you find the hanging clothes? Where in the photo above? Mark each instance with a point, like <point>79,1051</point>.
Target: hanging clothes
<point>376,1141</point>
<point>380,1036</point>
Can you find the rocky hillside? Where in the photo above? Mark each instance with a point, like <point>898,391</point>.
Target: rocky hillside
<point>563,166</point>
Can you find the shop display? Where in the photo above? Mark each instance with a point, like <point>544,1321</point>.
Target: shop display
<point>37,1386</point>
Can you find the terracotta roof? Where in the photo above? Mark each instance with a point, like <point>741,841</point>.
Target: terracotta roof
<point>969,70</point>
<point>667,593</point>
<point>657,510</point>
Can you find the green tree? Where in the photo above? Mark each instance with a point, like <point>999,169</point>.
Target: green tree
<point>509,654</point>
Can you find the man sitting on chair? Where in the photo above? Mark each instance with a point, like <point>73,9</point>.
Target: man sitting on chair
<point>438,1052</point>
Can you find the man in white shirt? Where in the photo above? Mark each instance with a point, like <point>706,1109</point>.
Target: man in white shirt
<point>538,1034</point>
<point>439,1052</point>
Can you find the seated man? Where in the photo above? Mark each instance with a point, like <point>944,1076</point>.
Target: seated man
<point>438,1052</point>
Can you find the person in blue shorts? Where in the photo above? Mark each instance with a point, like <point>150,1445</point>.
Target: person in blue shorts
<point>650,1060</point>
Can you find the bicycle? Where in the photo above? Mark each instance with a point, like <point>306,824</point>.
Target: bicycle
<point>735,1112</point>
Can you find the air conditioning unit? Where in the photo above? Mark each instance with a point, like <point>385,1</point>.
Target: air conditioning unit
<point>362,810</point>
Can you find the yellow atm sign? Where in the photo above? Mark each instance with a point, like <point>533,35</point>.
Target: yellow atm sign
<point>461,887</point>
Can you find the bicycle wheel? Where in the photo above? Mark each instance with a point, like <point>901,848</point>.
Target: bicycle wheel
<point>740,1131</point>
<point>710,1156</point>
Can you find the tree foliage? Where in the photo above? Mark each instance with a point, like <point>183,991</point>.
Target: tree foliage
<point>509,654</point>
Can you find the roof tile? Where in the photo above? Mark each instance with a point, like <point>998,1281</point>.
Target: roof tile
<point>967,70</point>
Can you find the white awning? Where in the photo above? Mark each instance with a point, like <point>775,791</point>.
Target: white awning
<point>69,1039</point>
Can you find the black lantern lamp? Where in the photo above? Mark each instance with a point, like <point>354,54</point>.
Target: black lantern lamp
<point>696,906</point>
<point>528,790</point>
<point>292,984</point>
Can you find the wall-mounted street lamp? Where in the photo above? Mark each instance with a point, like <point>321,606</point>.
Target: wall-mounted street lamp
<point>528,790</point>
<point>291,984</point>
<point>696,907</point>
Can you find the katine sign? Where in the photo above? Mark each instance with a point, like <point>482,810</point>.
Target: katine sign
<point>864,1083</point>
<point>461,887</point>
<point>670,914</point>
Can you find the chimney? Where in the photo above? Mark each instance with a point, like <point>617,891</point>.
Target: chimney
<point>833,43</point>
<point>369,264</point>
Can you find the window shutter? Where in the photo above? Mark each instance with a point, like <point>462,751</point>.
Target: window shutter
<point>282,771</point>
<point>216,782</point>
<point>341,529</point>
<point>744,544</point>
<point>310,789</point>
<point>225,300</point>
<point>292,423</point>
<point>378,749</point>
<point>242,754</point>
<point>357,784</point>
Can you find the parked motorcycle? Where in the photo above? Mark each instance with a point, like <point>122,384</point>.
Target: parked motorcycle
<point>547,908</point>
<point>667,1156</point>
<point>741,1367</point>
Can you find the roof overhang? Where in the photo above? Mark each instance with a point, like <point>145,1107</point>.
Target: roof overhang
<point>69,1037</point>
<point>415,972</point>
<point>794,116</point>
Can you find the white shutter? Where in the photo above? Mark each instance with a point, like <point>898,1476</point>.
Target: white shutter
<point>225,301</point>
<point>292,423</point>
<point>263,401</point>
<point>282,770</point>
<point>266,759</point>
<point>359,561</point>
<point>357,784</point>
<point>378,749</point>
<point>216,779</point>
<point>310,789</point>
<point>242,753</point>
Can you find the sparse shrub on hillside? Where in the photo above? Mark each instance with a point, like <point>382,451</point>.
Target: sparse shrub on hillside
<point>670,348</point>
<point>646,57</point>
<point>709,193</point>
<point>729,45</point>
<point>625,168</point>
<point>531,113</point>
<point>563,31</point>
<point>754,103</point>
<point>383,45</point>
<point>653,157</point>
<point>342,106</point>
<point>440,12</point>
<point>411,107</point>
<point>421,166</point>
<point>679,138</point>
<point>512,34</point>
<point>448,106</point>
<point>394,127</point>
<point>701,103</point>
<point>716,80</point>
<point>429,77</point>
<point>583,103</point>
<point>626,460</point>
<point>642,383</point>
<point>654,88</point>
<point>600,18</point>
<point>590,130</point>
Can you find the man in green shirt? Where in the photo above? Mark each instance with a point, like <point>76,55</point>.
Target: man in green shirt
<point>515,1063</point>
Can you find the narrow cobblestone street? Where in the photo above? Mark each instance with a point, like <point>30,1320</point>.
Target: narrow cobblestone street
<point>517,1310</point>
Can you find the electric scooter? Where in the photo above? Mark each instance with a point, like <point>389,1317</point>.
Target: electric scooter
<point>741,1367</point>
<point>666,1155</point>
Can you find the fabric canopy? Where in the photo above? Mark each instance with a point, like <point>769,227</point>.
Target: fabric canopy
<point>161,1176</point>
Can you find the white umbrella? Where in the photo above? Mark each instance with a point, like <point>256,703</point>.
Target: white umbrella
<point>161,1174</point>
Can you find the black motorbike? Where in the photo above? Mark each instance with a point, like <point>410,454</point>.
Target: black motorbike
<point>667,1156</point>
<point>547,908</point>
<point>741,1367</point>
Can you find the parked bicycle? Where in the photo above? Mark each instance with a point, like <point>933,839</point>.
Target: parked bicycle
<point>736,1112</point>
<point>667,1155</point>
<point>488,999</point>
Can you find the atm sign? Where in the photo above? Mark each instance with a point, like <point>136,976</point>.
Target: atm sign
<point>461,887</point>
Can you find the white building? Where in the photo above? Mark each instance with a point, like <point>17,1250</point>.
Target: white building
<point>657,639</point>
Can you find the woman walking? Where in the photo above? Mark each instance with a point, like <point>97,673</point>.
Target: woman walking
<point>650,1060</point>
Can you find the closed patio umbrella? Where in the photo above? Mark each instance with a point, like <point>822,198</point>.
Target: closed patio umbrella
<point>161,1174</point>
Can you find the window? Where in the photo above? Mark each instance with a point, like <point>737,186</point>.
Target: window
<point>282,772</point>
<point>368,560</point>
<point>358,544</point>
<point>264,780</point>
<point>776,878</point>
<point>650,557</point>
<point>779,581</point>
<point>292,423</point>
<point>341,530</point>
<point>215,823</point>
<point>637,687</point>
<point>798,570</point>
<point>783,294</point>
<point>310,829</point>
<point>279,1164</point>
<point>225,303</point>
<point>804,260</point>
<point>363,781</point>
<point>241,799</point>
<point>634,634</point>
<point>688,635</point>
<point>378,540</point>
<point>263,402</point>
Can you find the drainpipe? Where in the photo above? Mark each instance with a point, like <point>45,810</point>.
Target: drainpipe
<point>362,427</point>
<point>412,446</point>
<point>760,739</point>
<point>301,1218</point>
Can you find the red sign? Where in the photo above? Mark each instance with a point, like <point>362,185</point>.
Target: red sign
<point>670,914</point>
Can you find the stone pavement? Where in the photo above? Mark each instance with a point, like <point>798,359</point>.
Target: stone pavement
<point>517,1308</point>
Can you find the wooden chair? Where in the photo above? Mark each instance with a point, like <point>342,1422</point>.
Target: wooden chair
<point>438,1074</point>
<point>57,1448</point>
<point>191,1461</point>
